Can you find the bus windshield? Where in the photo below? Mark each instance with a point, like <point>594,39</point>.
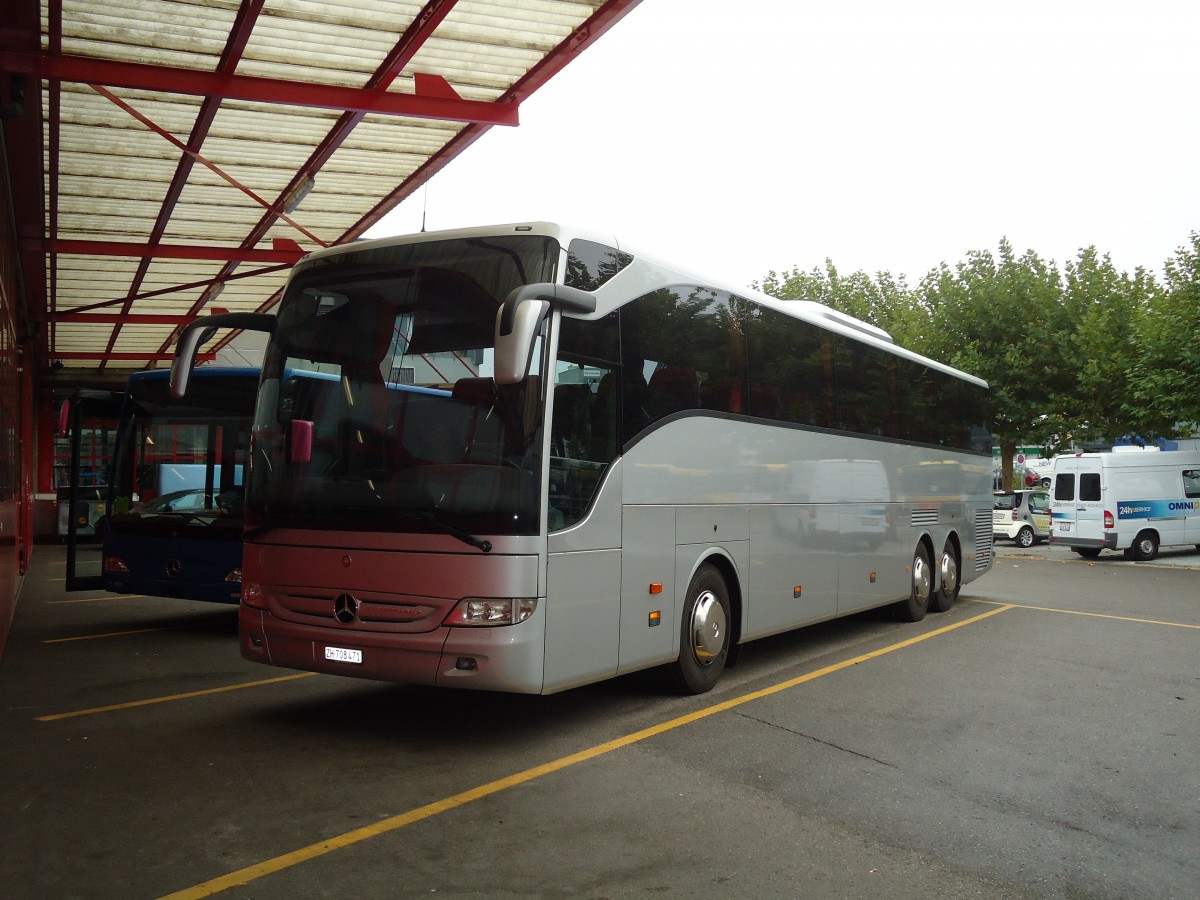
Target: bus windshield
<point>378,411</point>
<point>178,465</point>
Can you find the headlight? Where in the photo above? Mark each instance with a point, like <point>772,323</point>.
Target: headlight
<point>491,611</point>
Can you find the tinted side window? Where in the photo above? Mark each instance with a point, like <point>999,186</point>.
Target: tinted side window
<point>1191,483</point>
<point>866,389</point>
<point>802,373</point>
<point>589,264</point>
<point>1089,486</point>
<point>1064,486</point>
<point>791,369</point>
<point>681,348</point>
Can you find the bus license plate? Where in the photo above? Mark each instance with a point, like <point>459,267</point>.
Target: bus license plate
<point>343,654</point>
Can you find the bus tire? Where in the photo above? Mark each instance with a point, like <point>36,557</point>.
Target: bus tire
<point>943,598</point>
<point>1144,547</point>
<point>1025,537</point>
<point>914,608</point>
<point>704,634</point>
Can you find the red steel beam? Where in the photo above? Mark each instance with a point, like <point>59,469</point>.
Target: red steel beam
<point>125,357</point>
<point>124,318</point>
<point>169,251</point>
<point>434,99</point>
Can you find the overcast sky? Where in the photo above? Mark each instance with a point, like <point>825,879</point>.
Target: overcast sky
<point>740,138</point>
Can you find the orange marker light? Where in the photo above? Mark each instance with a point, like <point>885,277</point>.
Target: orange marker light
<point>656,587</point>
<point>655,618</point>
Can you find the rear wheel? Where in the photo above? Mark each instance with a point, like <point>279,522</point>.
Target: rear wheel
<point>913,609</point>
<point>1144,547</point>
<point>943,598</point>
<point>1025,536</point>
<point>704,634</point>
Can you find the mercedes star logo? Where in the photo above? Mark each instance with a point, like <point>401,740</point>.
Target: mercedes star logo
<point>345,608</point>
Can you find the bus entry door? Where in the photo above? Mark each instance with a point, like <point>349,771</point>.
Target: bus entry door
<point>89,419</point>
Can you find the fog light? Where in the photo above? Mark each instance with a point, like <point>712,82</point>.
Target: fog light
<point>466,664</point>
<point>252,595</point>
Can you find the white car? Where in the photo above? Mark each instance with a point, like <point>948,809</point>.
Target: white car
<point>1022,516</point>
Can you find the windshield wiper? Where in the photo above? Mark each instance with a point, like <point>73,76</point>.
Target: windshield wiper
<point>469,539</point>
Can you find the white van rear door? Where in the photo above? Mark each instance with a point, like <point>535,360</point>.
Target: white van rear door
<point>1077,505</point>
<point>1191,490</point>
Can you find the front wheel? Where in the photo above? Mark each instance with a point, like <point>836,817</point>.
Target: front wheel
<point>1087,552</point>
<point>943,598</point>
<point>913,609</point>
<point>704,634</point>
<point>1144,547</point>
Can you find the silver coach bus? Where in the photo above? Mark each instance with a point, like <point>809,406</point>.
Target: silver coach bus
<point>616,466</point>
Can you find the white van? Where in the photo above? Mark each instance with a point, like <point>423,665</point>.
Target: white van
<point>1133,501</point>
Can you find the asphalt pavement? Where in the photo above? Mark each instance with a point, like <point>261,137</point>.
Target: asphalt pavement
<point>1040,740</point>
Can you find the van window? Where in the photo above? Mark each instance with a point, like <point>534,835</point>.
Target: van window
<point>1064,486</point>
<point>1191,483</point>
<point>1089,486</point>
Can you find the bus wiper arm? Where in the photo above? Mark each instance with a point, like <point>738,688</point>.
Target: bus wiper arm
<point>470,539</point>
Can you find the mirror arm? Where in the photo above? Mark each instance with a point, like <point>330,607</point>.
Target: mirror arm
<point>568,298</point>
<point>201,330</point>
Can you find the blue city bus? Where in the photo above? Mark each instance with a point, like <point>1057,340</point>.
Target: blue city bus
<point>173,523</point>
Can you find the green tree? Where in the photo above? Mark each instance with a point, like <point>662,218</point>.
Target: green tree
<point>1163,396</point>
<point>1003,320</point>
<point>1097,346</point>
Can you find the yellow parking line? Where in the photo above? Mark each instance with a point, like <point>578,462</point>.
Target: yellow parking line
<point>287,860</point>
<point>1091,615</point>
<point>187,696</point>
<point>100,599</point>
<point>109,634</point>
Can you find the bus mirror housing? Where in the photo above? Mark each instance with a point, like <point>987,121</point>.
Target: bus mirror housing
<point>64,419</point>
<point>300,442</point>
<point>520,318</point>
<point>202,330</point>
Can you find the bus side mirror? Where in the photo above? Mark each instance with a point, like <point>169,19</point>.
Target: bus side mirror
<point>520,318</point>
<point>200,331</point>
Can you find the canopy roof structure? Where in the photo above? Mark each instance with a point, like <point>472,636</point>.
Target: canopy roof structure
<point>173,158</point>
